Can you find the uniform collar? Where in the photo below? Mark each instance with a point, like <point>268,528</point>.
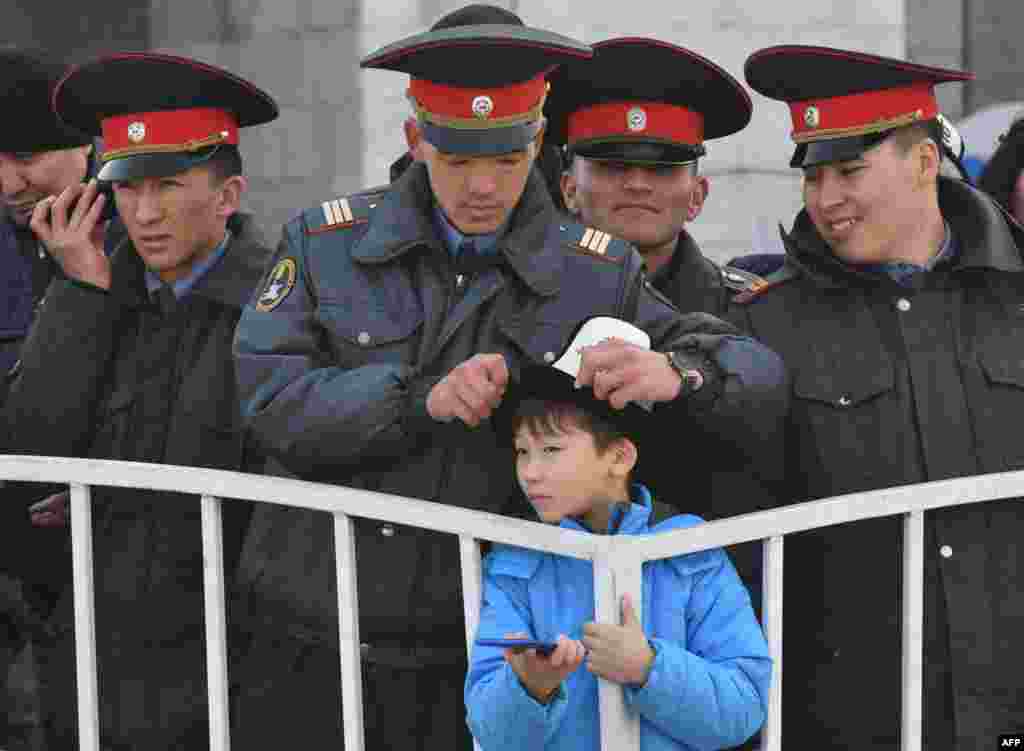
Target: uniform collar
<point>453,238</point>
<point>404,219</point>
<point>231,281</point>
<point>181,287</point>
<point>686,261</point>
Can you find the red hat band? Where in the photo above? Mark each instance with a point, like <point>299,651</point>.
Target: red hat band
<point>167,131</point>
<point>636,120</point>
<point>478,108</point>
<point>862,113</point>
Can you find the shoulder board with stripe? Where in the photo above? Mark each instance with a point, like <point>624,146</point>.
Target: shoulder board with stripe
<point>776,278</point>
<point>594,242</point>
<point>347,212</point>
<point>741,280</point>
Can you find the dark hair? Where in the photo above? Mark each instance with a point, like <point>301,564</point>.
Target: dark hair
<point>548,417</point>
<point>1000,174</point>
<point>226,162</point>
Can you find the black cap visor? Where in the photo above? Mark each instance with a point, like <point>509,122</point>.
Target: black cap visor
<point>638,152</point>
<point>481,142</point>
<point>835,149</point>
<point>139,166</point>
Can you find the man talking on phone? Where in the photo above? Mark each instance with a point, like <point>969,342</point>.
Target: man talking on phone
<point>131,359</point>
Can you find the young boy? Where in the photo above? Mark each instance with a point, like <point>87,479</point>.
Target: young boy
<point>697,673</point>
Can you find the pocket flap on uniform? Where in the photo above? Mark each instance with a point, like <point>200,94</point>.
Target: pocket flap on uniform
<point>540,341</point>
<point>1003,367</point>
<point>844,387</point>
<point>370,326</point>
<point>122,398</point>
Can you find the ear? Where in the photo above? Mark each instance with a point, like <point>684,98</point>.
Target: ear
<point>928,161</point>
<point>413,137</point>
<point>539,140</point>
<point>699,194</point>
<point>230,199</point>
<point>568,184</point>
<point>625,456</point>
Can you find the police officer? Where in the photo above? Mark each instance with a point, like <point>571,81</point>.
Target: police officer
<point>633,141</point>
<point>378,361</point>
<point>131,359</point>
<point>897,313</point>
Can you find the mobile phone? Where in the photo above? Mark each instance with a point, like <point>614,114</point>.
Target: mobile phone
<point>543,647</point>
<point>104,189</point>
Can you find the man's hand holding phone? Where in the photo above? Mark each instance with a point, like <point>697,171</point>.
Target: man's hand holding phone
<point>69,226</point>
<point>541,675</point>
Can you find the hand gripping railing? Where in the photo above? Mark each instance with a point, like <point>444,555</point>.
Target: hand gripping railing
<point>617,569</point>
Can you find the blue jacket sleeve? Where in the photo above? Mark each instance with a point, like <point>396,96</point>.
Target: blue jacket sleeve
<point>308,413</point>
<point>500,712</point>
<point>713,693</point>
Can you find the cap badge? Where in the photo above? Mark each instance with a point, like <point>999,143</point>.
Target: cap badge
<point>812,117</point>
<point>136,132</point>
<point>636,119</point>
<point>483,106</point>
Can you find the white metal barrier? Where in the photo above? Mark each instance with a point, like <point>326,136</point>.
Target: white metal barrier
<point>617,569</point>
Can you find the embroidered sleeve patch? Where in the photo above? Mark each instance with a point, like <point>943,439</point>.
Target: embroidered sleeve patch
<point>279,284</point>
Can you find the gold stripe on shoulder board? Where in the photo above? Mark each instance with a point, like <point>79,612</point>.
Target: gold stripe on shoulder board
<point>595,241</point>
<point>329,213</point>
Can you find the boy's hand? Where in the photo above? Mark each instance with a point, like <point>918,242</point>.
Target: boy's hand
<point>541,676</point>
<point>620,654</point>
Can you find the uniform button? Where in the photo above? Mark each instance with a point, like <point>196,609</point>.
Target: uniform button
<point>363,338</point>
<point>459,279</point>
<point>42,253</point>
<point>843,401</point>
<point>549,357</point>
<point>946,552</point>
<point>903,304</point>
<point>387,530</point>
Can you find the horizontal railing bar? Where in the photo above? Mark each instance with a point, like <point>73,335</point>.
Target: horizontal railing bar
<point>285,491</point>
<point>801,517</point>
<point>367,504</point>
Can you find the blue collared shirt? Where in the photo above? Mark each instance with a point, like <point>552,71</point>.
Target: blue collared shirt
<point>903,273</point>
<point>453,238</point>
<point>184,285</point>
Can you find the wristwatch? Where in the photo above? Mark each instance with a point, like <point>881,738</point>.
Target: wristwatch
<point>691,377</point>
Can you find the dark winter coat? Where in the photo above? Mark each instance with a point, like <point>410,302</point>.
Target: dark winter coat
<point>895,385</point>
<point>335,378</point>
<point>113,375</point>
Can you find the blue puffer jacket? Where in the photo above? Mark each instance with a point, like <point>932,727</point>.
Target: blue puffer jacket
<point>707,688</point>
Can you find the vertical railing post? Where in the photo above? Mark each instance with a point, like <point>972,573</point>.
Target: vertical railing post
<point>216,623</point>
<point>85,619</point>
<point>472,591</point>
<point>913,629</point>
<point>771,610</point>
<point>615,576</point>
<point>348,633</point>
